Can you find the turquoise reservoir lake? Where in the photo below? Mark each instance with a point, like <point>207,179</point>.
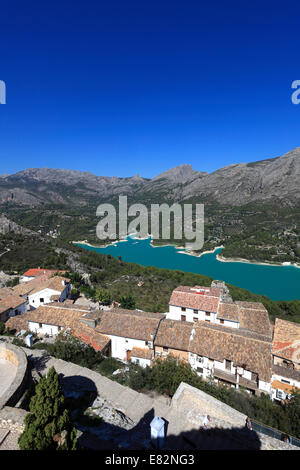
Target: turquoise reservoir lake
<point>277,282</point>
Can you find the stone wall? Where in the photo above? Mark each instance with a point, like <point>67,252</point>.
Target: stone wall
<point>191,405</point>
<point>16,356</point>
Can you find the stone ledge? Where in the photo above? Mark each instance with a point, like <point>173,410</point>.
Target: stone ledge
<point>15,355</point>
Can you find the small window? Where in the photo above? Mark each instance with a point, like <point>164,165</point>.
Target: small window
<point>41,300</point>
<point>195,319</point>
<point>183,309</point>
<point>285,381</point>
<point>195,310</point>
<point>200,369</point>
<point>40,325</point>
<point>208,321</point>
<point>222,321</point>
<point>165,349</point>
<point>207,314</point>
<point>183,317</point>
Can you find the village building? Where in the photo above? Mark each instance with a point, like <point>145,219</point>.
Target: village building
<point>11,305</point>
<point>53,319</point>
<point>33,273</point>
<point>286,359</point>
<point>217,353</point>
<point>194,303</point>
<point>44,291</point>
<point>132,334</point>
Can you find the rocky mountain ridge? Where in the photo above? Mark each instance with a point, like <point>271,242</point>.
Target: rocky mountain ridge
<point>275,179</point>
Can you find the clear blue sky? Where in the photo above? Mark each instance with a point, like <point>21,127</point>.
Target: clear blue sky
<point>123,87</point>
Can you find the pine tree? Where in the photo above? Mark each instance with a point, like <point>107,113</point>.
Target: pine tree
<point>48,426</point>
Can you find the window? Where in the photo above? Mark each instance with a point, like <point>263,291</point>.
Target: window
<point>183,317</point>
<point>208,321</point>
<point>207,314</point>
<point>222,321</point>
<point>228,364</point>
<point>285,381</point>
<point>165,349</point>
<point>195,310</point>
<point>195,319</point>
<point>41,300</point>
<point>200,369</point>
<point>40,325</point>
<point>183,309</point>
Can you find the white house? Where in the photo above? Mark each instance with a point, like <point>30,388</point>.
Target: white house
<point>131,333</point>
<point>194,303</point>
<point>42,293</point>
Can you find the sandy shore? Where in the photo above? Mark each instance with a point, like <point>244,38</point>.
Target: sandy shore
<point>262,263</point>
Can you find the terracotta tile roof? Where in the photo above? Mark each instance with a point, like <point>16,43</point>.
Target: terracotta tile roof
<point>58,316</point>
<point>5,291</point>
<point>285,387</point>
<point>24,288</point>
<point>228,311</point>
<point>219,344</point>
<point>174,334</point>
<point>64,317</point>
<point>91,337</point>
<point>255,319</point>
<point>286,372</point>
<point>33,272</point>
<point>142,353</point>
<point>11,301</point>
<point>252,305</point>
<point>56,283</point>
<point>252,316</point>
<point>286,341</point>
<point>17,323</point>
<point>129,323</point>
<point>190,297</point>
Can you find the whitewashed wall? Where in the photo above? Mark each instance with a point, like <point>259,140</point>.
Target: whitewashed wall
<point>120,345</point>
<point>175,313</point>
<point>43,329</point>
<point>34,299</point>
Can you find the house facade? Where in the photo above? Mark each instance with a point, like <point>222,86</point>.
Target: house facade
<point>44,291</point>
<point>132,334</point>
<point>10,306</point>
<point>285,359</point>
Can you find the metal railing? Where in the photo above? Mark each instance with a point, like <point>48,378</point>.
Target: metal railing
<point>275,433</point>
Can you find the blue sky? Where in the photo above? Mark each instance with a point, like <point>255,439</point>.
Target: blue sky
<point>123,87</point>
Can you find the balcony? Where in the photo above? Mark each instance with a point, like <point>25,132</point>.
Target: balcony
<point>225,375</point>
<point>250,384</point>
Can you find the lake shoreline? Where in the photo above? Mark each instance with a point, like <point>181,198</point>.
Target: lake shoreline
<point>183,251</point>
<point>260,263</point>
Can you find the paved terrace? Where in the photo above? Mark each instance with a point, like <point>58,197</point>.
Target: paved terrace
<point>184,414</point>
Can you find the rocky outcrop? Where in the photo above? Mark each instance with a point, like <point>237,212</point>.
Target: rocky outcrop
<point>7,226</point>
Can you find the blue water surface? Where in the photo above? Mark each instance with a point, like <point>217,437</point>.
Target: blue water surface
<point>277,282</point>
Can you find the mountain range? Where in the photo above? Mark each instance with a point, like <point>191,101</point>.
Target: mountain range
<point>275,180</point>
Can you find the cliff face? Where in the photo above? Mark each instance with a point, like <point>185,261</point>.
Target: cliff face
<point>275,179</point>
<point>7,226</point>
